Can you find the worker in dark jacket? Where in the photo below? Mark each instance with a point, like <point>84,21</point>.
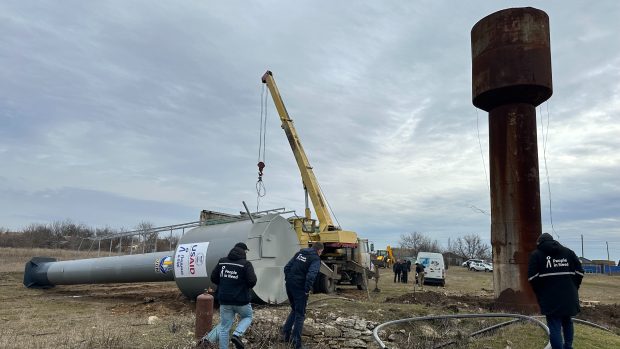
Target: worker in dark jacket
<point>555,274</point>
<point>397,268</point>
<point>234,276</point>
<point>299,275</point>
<point>404,271</point>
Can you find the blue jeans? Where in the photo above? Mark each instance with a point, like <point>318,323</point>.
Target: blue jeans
<point>295,321</point>
<point>227,317</point>
<point>557,326</point>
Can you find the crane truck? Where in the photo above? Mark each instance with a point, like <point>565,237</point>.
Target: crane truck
<point>346,258</point>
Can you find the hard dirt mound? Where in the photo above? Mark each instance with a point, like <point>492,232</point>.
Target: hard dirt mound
<point>607,315</point>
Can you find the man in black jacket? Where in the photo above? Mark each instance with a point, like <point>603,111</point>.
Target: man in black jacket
<point>299,275</point>
<point>555,274</point>
<point>397,269</point>
<point>234,276</point>
<point>404,271</point>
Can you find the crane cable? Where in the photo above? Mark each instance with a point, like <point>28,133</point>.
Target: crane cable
<point>261,191</point>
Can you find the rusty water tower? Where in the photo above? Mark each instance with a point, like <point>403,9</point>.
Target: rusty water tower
<point>511,76</point>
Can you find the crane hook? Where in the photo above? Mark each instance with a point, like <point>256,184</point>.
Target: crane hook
<point>261,166</point>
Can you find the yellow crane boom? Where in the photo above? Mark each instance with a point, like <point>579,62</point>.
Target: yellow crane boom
<point>311,185</point>
<point>327,232</point>
<point>345,259</point>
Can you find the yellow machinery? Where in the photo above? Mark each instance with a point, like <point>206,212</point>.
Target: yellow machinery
<point>345,258</point>
<point>384,258</point>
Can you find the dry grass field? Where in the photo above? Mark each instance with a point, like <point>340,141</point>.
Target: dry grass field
<point>117,315</point>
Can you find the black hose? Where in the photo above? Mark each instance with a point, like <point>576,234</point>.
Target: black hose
<point>457,316</point>
<point>484,330</point>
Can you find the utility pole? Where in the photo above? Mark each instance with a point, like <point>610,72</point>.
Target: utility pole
<point>607,243</point>
<point>582,246</point>
<point>608,265</point>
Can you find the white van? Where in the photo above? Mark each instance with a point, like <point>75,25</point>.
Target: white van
<point>434,267</point>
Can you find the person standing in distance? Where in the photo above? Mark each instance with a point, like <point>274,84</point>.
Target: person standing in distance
<point>555,274</point>
<point>397,269</point>
<point>299,275</point>
<point>234,276</point>
<point>419,269</point>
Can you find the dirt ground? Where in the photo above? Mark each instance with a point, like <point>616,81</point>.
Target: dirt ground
<point>604,314</point>
<point>119,315</point>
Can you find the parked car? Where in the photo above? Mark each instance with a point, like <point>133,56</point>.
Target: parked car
<point>467,262</point>
<point>480,266</point>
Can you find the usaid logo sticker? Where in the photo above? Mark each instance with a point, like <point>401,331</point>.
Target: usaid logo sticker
<point>190,259</point>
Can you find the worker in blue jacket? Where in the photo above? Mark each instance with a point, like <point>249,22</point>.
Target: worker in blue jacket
<point>299,275</point>
<point>555,274</point>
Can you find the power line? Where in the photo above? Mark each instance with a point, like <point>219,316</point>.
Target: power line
<point>484,165</point>
<point>545,138</point>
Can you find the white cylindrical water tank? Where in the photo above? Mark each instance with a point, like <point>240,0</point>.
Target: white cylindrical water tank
<point>271,240</point>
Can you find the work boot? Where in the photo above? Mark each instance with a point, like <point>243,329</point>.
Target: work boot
<point>298,345</point>
<point>285,337</point>
<point>237,342</point>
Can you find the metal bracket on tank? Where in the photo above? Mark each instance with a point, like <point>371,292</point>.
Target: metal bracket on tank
<point>248,211</point>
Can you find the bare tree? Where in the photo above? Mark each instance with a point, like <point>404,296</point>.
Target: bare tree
<point>417,242</point>
<point>149,237</point>
<point>471,246</point>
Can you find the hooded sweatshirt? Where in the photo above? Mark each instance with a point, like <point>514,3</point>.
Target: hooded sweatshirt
<point>555,274</point>
<point>234,276</point>
<point>300,272</point>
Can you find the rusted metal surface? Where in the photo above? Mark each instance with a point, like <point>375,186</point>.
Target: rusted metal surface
<point>204,314</point>
<point>511,75</point>
<point>515,201</point>
<point>511,58</point>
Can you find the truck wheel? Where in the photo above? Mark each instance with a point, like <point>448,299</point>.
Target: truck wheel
<point>326,284</point>
<point>359,280</point>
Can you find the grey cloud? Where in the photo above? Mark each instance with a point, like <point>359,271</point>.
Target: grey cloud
<point>160,103</point>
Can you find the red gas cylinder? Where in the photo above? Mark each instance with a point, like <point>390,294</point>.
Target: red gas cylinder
<point>204,314</point>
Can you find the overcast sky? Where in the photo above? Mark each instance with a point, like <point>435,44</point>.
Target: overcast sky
<point>117,112</point>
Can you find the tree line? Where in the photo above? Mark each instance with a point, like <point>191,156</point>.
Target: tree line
<point>468,246</point>
<point>72,236</point>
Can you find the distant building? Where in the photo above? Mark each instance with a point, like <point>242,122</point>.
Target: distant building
<point>600,266</point>
<point>451,258</point>
<point>585,260</point>
<point>603,262</point>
